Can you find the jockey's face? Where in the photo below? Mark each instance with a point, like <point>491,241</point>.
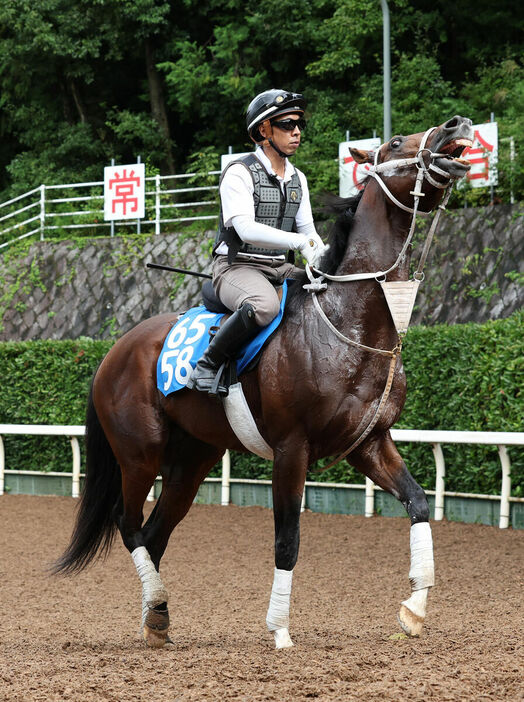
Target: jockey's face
<point>287,141</point>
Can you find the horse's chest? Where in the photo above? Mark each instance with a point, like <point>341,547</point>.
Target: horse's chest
<point>328,393</point>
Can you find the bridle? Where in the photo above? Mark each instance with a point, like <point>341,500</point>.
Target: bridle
<point>423,172</point>
<point>317,284</point>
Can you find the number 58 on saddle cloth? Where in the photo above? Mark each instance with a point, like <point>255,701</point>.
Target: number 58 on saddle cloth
<point>188,339</point>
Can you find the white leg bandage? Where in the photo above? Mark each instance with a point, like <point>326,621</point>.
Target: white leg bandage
<point>278,612</point>
<point>153,590</point>
<point>422,570</point>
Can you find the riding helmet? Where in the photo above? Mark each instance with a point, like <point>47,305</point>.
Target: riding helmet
<point>269,104</point>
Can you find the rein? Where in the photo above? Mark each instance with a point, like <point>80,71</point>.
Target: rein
<point>317,284</point>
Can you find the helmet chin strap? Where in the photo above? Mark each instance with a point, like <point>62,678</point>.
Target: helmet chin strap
<point>279,152</point>
<point>268,141</point>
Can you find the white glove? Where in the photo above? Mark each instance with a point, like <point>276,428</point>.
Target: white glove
<point>312,248</point>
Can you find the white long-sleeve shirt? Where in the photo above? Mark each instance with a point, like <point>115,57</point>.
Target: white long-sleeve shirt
<point>238,208</point>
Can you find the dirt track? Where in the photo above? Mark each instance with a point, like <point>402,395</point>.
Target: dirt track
<point>77,638</point>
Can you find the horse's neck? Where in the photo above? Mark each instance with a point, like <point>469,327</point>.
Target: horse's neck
<point>376,239</point>
<point>378,234</point>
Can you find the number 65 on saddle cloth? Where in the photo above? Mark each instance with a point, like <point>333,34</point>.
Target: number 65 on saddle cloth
<point>188,339</point>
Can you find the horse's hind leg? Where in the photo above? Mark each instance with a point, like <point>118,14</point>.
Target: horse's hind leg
<point>379,459</point>
<point>189,463</point>
<point>137,479</point>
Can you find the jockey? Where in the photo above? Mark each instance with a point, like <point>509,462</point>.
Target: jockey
<point>265,214</point>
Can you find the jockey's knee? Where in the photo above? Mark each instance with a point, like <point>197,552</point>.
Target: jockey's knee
<point>265,309</point>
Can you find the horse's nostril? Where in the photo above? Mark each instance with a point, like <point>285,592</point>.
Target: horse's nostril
<point>451,123</point>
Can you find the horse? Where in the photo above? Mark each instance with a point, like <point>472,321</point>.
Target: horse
<point>319,379</point>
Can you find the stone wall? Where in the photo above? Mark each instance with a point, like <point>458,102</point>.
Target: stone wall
<point>101,288</point>
<point>475,269</point>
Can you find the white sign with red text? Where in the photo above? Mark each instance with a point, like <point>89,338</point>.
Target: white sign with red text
<point>352,174</point>
<point>124,191</point>
<point>482,155</point>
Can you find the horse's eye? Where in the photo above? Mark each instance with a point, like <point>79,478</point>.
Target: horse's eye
<point>395,143</point>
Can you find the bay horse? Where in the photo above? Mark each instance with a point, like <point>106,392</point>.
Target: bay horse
<point>309,395</point>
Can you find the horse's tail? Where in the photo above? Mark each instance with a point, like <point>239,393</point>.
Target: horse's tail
<point>95,526</point>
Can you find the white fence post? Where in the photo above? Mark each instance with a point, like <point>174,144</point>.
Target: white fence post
<point>42,211</point>
<point>506,487</point>
<point>226,478</point>
<point>157,204</point>
<point>370,498</point>
<point>439,481</point>
<point>151,494</point>
<point>43,220</point>
<point>75,446</point>
<point>499,439</point>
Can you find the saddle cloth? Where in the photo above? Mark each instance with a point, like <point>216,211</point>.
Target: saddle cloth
<point>188,339</point>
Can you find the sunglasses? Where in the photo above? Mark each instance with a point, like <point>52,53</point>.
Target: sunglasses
<point>289,124</point>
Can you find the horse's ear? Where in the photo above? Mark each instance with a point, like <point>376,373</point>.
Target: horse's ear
<point>362,156</point>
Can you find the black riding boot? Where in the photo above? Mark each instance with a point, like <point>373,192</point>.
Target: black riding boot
<point>223,347</point>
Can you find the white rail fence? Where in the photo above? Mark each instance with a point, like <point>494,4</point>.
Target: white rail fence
<point>81,206</point>
<point>436,438</point>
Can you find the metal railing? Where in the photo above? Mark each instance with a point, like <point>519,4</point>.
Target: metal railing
<point>71,431</point>
<point>47,209</point>
<point>435,438</point>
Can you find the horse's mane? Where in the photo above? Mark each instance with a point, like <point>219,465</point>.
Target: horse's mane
<point>339,230</point>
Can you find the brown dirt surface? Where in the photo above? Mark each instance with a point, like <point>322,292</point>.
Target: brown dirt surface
<point>77,638</point>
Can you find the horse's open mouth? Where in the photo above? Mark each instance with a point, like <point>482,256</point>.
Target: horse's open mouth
<point>455,148</point>
<point>453,161</point>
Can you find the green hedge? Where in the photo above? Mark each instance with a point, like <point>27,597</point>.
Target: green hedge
<point>461,377</point>
<point>45,382</point>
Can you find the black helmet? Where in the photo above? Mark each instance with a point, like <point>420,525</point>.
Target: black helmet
<point>269,104</point>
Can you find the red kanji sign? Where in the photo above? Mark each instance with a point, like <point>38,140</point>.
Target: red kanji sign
<point>351,173</point>
<point>482,155</point>
<point>124,192</point>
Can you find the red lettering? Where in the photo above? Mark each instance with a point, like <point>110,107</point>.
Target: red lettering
<point>124,191</point>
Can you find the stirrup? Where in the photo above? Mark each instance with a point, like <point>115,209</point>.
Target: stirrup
<point>212,384</point>
<point>217,389</point>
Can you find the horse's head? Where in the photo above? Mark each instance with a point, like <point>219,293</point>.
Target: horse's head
<point>434,156</point>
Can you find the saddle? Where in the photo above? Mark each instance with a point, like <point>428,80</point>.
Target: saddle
<point>211,300</point>
<point>226,375</point>
<point>189,337</point>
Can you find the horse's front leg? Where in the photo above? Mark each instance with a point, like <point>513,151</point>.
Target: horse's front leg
<point>379,459</point>
<point>289,475</point>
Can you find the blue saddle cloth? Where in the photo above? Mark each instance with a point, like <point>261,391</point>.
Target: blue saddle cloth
<point>188,339</point>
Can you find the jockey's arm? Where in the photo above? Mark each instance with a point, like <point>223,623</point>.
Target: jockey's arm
<point>238,195</point>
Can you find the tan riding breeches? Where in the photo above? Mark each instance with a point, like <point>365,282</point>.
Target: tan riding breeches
<point>253,281</point>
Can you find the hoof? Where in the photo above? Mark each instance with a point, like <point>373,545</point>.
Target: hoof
<point>413,612</point>
<point>282,639</point>
<point>411,623</point>
<point>155,628</point>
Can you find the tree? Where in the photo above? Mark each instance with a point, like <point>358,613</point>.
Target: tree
<point>84,82</point>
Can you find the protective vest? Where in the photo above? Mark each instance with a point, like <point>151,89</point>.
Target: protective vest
<point>272,207</point>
